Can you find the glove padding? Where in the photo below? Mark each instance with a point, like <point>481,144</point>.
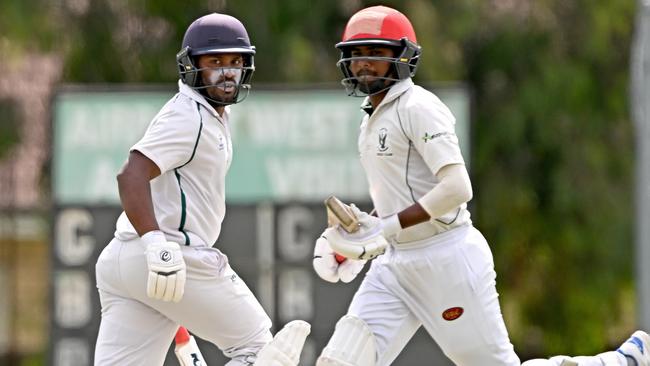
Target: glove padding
<point>329,268</point>
<point>366,243</point>
<point>167,272</point>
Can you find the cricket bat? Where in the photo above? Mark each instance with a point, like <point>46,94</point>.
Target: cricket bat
<point>187,351</point>
<point>341,214</point>
<point>338,213</point>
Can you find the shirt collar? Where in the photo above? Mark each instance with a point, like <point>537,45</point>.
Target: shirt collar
<point>393,93</point>
<point>196,96</point>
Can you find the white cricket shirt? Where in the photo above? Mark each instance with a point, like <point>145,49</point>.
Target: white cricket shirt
<point>191,145</point>
<point>403,144</point>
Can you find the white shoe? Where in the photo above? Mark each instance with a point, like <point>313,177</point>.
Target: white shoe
<point>637,348</point>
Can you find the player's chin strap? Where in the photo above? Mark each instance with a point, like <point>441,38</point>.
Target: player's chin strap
<point>286,346</point>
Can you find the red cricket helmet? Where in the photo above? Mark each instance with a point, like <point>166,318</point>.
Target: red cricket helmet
<point>381,26</point>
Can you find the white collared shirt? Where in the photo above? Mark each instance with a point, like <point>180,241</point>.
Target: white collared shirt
<point>191,145</point>
<point>403,144</point>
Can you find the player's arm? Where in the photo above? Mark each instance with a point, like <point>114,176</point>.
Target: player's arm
<point>454,189</point>
<point>167,271</point>
<point>135,191</point>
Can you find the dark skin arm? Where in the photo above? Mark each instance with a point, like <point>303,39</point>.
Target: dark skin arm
<point>135,191</point>
<point>412,215</point>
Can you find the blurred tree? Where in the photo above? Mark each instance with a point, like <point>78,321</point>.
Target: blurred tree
<point>9,127</point>
<point>553,167</point>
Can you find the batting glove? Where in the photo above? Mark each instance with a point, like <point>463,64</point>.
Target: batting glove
<point>366,243</point>
<point>389,226</point>
<point>166,280</point>
<point>332,267</point>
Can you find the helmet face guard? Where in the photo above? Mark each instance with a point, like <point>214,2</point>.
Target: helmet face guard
<point>403,66</point>
<point>216,34</point>
<point>190,74</point>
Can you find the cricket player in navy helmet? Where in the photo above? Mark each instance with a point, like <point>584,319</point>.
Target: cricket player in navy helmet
<point>161,269</point>
<point>430,266</point>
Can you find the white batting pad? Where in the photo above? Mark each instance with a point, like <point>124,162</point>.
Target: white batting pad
<point>352,344</point>
<point>286,346</point>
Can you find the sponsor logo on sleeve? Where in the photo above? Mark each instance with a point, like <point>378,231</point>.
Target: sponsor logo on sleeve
<point>428,137</point>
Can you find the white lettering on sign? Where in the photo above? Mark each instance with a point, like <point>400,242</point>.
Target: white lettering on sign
<point>74,243</point>
<point>309,127</point>
<point>103,185</point>
<point>304,177</point>
<point>94,126</point>
<point>294,242</point>
<point>72,304</point>
<point>295,297</point>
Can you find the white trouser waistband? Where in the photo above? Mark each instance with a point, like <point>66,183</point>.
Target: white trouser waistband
<point>446,236</point>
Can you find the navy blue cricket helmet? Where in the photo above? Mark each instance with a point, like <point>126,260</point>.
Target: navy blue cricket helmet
<point>210,34</point>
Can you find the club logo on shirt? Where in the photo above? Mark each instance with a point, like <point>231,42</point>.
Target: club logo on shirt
<point>221,143</point>
<point>452,313</point>
<point>382,148</point>
<point>383,133</point>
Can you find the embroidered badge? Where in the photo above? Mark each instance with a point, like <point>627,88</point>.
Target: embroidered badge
<point>221,143</point>
<point>383,133</point>
<point>382,148</point>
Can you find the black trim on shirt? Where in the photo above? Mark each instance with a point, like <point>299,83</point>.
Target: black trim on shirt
<point>408,154</point>
<point>181,226</point>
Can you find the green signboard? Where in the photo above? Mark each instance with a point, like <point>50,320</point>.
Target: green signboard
<point>289,145</point>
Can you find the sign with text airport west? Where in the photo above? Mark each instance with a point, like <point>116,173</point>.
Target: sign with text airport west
<point>288,145</point>
<point>292,148</point>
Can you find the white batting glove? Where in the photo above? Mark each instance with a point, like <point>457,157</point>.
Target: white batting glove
<point>332,267</point>
<point>355,246</point>
<point>350,268</point>
<point>166,280</point>
<point>324,261</point>
<point>366,243</point>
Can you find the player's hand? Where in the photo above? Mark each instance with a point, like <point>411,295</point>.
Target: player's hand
<point>333,267</point>
<point>166,280</point>
<point>366,243</point>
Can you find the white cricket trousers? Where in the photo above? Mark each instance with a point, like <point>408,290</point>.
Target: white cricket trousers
<point>217,306</point>
<point>446,283</point>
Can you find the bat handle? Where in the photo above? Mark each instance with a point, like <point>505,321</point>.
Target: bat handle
<point>187,351</point>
